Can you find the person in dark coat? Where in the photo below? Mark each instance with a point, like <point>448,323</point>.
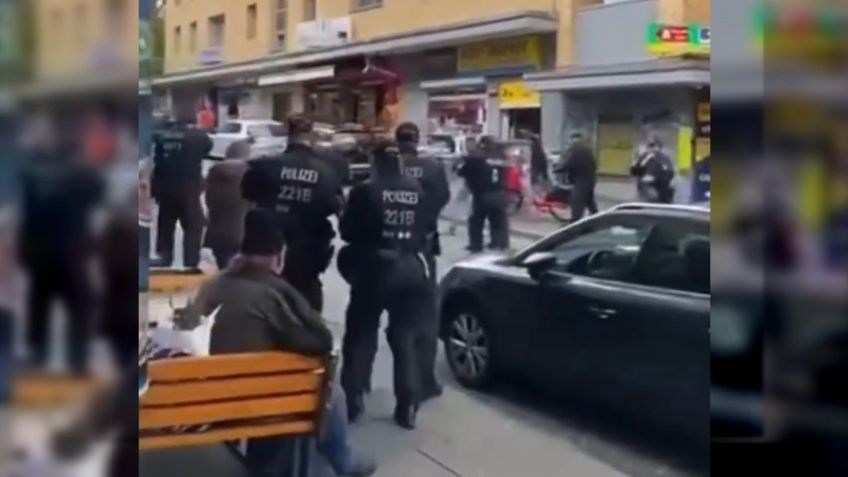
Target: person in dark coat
<point>258,310</point>
<point>581,168</point>
<point>485,171</point>
<point>225,205</point>
<point>654,174</point>
<point>538,159</point>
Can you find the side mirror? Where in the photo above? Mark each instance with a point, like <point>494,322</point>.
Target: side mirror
<point>539,263</point>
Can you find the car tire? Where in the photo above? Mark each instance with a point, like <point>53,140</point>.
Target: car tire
<point>468,347</point>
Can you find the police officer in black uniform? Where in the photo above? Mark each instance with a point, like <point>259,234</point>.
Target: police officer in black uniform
<point>385,228</point>
<point>176,186</point>
<point>485,173</point>
<point>432,177</point>
<point>306,191</point>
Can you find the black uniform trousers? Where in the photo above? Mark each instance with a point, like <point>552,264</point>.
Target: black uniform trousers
<point>183,206</point>
<point>61,276</point>
<point>304,264</point>
<point>407,301</point>
<point>582,198</point>
<point>489,206</point>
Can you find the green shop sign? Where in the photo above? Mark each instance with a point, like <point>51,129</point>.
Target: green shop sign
<point>665,39</point>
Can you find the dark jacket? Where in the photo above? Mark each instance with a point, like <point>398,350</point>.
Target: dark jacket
<point>477,172</point>
<point>225,204</point>
<point>260,312</point>
<point>178,161</point>
<point>579,165</point>
<point>433,179</point>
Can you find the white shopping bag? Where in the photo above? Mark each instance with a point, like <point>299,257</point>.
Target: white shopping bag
<point>194,341</point>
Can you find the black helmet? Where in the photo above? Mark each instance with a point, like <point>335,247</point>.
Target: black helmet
<point>407,133</point>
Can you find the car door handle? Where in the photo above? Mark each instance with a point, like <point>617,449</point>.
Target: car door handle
<point>602,313</point>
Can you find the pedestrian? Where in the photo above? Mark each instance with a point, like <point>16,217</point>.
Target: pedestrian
<point>579,165</point>
<point>306,191</point>
<point>538,159</point>
<point>385,228</point>
<point>176,186</point>
<point>259,311</point>
<point>486,173</point>
<point>654,173</point>
<point>225,205</point>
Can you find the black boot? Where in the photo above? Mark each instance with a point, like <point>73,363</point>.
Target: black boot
<point>355,407</point>
<point>405,416</point>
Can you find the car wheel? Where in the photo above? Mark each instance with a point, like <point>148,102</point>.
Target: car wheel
<point>468,348</point>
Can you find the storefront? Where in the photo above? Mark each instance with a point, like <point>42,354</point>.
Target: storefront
<point>488,95</point>
<point>619,105</point>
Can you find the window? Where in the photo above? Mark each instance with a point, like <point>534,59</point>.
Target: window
<point>192,37</point>
<point>675,256</point>
<point>216,31</point>
<point>251,21</point>
<point>309,10</point>
<point>281,23</point>
<point>266,130</point>
<point>606,250</point>
<point>230,128</point>
<point>363,4</point>
<point>81,23</point>
<point>178,34</point>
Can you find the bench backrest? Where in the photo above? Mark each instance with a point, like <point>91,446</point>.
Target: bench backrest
<point>233,397</point>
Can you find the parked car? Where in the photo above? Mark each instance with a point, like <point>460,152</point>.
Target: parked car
<point>612,312</point>
<point>266,137</point>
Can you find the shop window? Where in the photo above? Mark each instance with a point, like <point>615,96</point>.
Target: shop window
<point>216,31</point>
<point>363,4</point>
<point>81,14</point>
<point>178,34</point>
<point>251,21</point>
<point>309,10</point>
<point>281,23</point>
<point>192,37</point>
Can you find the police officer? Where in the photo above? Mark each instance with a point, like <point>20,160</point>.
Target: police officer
<point>432,177</point>
<point>485,173</point>
<point>384,225</point>
<point>654,174</point>
<point>580,167</point>
<point>305,191</point>
<point>176,185</point>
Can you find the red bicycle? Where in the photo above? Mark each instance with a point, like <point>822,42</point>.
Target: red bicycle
<point>553,200</point>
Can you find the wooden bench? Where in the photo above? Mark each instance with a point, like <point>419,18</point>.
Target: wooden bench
<point>235,397</point>
<point>171,281</point>
<point>45,390</point>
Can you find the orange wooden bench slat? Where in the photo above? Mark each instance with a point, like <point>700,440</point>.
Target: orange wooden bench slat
<point>222,435</point>
<point>178,369</point>
<point>164,282</point>
<point>199,391</point>
<point>157,418</point>
<point>46,390</point>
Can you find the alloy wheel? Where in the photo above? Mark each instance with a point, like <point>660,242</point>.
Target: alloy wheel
<point>468,346</point>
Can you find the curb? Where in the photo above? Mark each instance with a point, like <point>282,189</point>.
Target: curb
<point>513,231</point>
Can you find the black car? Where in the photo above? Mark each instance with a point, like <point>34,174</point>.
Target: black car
<point>611,312</point>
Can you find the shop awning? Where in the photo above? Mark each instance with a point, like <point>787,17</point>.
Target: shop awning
<point>514,24</point>
<point>297,76</point>
<point>454,84</point>
<point>640,74</point>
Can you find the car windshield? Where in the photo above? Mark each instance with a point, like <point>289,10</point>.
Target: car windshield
<point>266,130</point>
<point>230,128</point>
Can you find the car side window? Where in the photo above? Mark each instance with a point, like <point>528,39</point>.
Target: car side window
<point>607,251</point>
<point>230,128</point>
<point>675,256</point>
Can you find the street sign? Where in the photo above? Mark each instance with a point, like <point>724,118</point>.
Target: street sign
<point>674,40</point>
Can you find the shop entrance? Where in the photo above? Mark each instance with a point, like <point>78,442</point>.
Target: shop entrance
<point>521,119</point>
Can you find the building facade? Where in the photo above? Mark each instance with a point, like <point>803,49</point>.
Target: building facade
<point>445,65</point>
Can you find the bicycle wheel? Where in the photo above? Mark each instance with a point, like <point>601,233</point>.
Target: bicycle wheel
<point>559,211</point>
<point>515,200</point>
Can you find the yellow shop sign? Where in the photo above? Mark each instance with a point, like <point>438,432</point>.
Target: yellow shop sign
<point>516,94</point>
<point>523,52</point>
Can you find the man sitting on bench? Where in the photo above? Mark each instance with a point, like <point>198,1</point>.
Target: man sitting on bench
<point>261,312</point>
